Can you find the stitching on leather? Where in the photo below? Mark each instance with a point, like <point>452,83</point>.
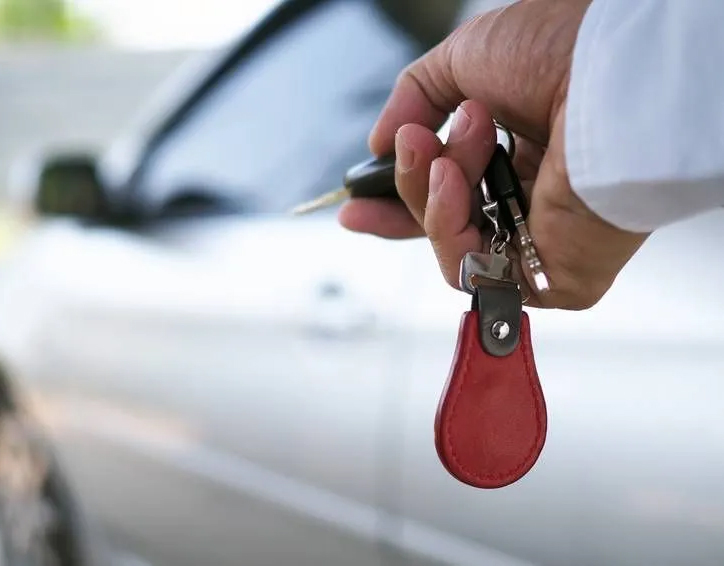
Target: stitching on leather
<point>525,344</point>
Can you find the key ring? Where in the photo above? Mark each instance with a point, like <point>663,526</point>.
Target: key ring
<point>509,136</point>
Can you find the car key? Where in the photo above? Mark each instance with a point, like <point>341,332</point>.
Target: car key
<point>374,178</point>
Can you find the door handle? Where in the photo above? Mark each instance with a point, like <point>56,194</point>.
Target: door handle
<point>335,313</point>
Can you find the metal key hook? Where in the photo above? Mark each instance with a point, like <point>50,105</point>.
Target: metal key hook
<point>508,136</point>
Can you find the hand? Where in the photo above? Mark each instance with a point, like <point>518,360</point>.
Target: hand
<point>512,65</point>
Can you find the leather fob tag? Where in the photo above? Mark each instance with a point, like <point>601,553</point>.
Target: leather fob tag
<point>491,420</point>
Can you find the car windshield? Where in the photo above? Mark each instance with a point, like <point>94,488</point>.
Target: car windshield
<point>286,123</point>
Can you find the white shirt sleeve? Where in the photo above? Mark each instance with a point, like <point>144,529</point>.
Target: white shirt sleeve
<point>645,115</point>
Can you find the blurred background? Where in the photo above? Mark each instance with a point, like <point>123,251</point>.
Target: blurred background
<point>189,376</point>
<point>74,71</point>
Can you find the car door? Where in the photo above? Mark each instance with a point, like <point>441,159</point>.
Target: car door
<point>228,368</point>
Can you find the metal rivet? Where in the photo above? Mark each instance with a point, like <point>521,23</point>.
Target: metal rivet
<point>500,330</point>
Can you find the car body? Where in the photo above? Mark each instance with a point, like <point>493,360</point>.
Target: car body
<point>223,384</point>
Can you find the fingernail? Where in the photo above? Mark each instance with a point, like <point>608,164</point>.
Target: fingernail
<point>404,154</point>
<point>460,124</point>
<point>437,179</point>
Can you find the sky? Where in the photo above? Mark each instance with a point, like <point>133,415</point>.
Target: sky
<point>172,24</point>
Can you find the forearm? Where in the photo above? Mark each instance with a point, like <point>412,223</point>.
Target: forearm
<point>645,115</point>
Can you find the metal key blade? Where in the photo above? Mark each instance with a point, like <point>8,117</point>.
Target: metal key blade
<point>530,254</point>
<point>328,199</point>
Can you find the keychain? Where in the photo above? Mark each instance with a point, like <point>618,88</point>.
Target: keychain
<point>491,420</point>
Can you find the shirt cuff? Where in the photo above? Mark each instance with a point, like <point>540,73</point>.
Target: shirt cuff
<point>644,137</point>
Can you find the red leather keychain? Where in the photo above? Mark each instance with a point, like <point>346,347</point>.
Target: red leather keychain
<point>491,421</point>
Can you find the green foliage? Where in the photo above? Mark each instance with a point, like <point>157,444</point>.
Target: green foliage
<point>44,20</point>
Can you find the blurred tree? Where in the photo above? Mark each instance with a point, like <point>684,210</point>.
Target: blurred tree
<point>54,20</point>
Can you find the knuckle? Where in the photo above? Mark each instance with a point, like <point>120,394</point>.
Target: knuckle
<point>434,76</point>
<point>401,176</point>
<point>432,229</point>
<point>406,187</point>
<point>415,204</point>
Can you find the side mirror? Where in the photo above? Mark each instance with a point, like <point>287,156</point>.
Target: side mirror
<point>60,185</point>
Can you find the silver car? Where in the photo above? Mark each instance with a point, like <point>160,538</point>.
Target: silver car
<point>216,383</point>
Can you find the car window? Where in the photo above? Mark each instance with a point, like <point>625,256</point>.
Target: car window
<point>289,120</point>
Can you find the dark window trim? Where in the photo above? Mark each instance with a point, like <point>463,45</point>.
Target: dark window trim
<point>129,210</point>
<point>279,18</point>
